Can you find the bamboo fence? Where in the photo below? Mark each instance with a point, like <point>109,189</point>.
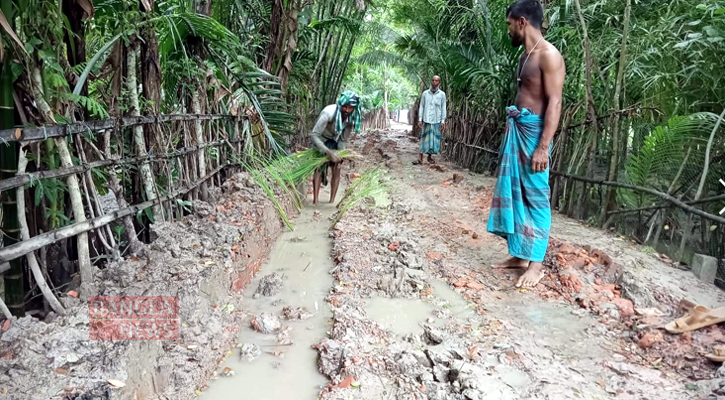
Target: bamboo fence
<point>216,140</point>
<point>472,145</point>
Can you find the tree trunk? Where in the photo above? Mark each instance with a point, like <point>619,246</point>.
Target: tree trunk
<point>32,261</point>
<point>276,35</point>
<point>75,39</point>
<point>147,177</point>
<point>610,198</point>
<point>199,136</point>
<point>14,289</point>
<point>558,158</point>
<point>591,110</point>
<point>114,183</point>
<point>292,23</point>
<point>74,190</point>
<point>151,77</point>
<point>385,88</point>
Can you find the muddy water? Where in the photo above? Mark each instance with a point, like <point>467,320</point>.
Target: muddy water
<point>303,257</point>
<point>450,300</point>
<point>400,316</point>
<point>405,316</point>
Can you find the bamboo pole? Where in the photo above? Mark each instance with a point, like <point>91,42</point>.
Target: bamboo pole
<point>664,196</point>
<point>199,136</point>
<point>84,258</point>
<point>662,206</point>
<point>147,177</point>
<point>701,186</point>
<point>13,280</point>
<point>27,135</point>
<point>23,179</point>
<point>610,198</point>
<point>25,234</point>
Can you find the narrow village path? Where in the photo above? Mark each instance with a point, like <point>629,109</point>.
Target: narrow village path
<point>412,309</point>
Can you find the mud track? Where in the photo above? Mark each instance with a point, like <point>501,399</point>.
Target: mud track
<point>397,302</point>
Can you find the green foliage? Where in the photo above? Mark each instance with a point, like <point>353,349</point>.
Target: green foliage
<point>682,140</point>
<point>369,185</point>
<point>96,109</point>
<point>284,174</point>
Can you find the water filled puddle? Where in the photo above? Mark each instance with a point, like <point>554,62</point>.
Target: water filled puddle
<point>399,315</point>
<point>405,316</point>
<point>450,300</point>
<point>285,372</point>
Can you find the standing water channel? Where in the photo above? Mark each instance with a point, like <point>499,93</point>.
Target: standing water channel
<point>286,372</point>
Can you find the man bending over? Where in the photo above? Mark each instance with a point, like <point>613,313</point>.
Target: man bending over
<point>330,134</point>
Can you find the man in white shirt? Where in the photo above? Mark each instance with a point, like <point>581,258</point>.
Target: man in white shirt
<point>432,120</point>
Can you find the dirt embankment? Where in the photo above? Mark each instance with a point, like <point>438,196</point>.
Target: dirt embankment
<point>205,260</point>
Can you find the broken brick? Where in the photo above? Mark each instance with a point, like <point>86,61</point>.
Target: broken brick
<point>571,282</point>
<point>605,260</point>
<point>238,284</point>
<point>347,382</point>
<point>580,263</point>
<point>649,339</point>
<point>566,248</point>
<point>434,256</point>
<point>394,246</point>
<point>626,307</point>
<point>460,283</point>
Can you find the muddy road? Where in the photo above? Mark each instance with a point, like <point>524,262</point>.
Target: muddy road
<point>412,309</point>
<point>398,301</point>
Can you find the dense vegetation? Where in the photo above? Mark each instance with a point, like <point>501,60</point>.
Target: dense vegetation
<point>643,98</point>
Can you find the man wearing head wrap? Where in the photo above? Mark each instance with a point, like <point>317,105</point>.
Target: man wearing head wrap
<point>330,134</point>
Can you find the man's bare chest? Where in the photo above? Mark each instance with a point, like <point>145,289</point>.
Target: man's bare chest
<point>528,71</point>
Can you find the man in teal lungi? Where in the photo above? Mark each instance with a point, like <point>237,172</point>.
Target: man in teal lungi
<point>432,120</point>
<point>520,210</point>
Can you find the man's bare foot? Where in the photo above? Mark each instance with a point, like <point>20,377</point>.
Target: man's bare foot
<point>512,262</point>
<point>532,276</point>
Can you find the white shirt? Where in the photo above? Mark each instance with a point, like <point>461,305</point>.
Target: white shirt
<point>433,107</point>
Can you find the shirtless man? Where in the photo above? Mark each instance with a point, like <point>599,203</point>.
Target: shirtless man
<point>520,211</point>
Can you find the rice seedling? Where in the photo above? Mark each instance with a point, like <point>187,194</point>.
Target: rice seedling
<point>266,182</point>
<point>369,184</point>
<point>285,173</point>
<point>307,161</point>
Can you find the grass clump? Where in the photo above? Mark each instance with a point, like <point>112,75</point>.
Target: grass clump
<point>286,173</point>
<point>369,185</point>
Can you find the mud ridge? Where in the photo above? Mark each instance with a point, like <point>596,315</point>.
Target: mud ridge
<point>205,260</point>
